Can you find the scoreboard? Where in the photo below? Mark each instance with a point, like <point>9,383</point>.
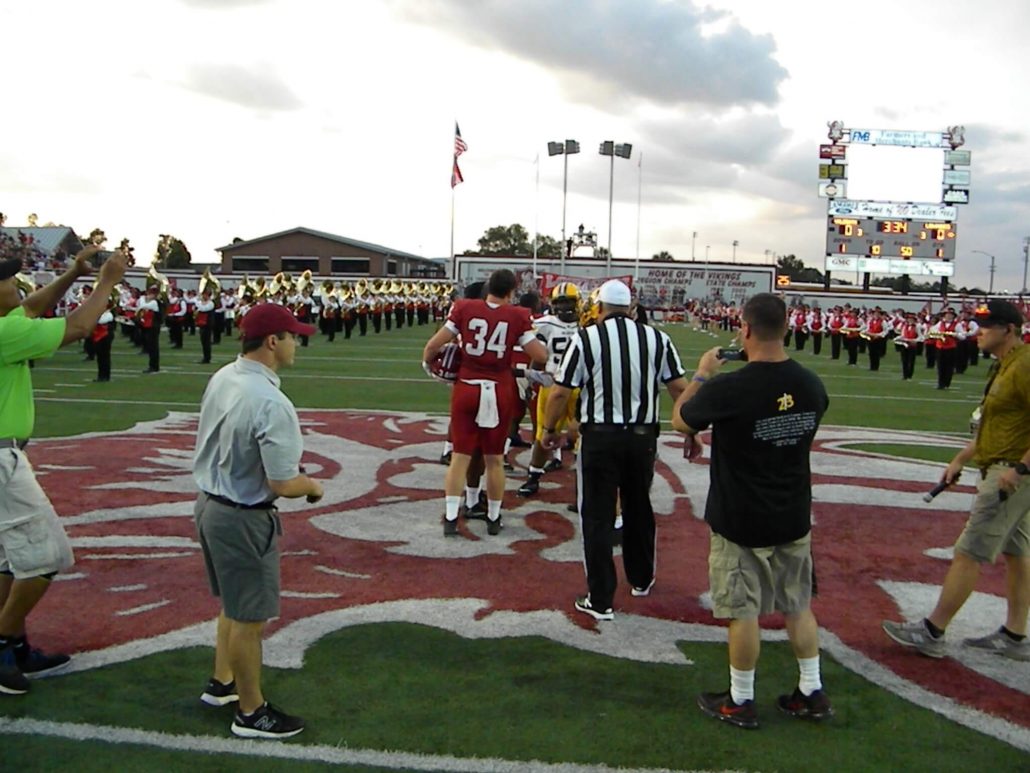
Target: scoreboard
<point>890,238</point>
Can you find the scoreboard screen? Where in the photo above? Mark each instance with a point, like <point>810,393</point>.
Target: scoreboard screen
<point>898,238</point>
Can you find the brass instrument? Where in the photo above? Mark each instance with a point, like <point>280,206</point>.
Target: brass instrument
<point>260,288</point>
<point>25,284</point>
<point>156,278</point>
<point>209,284</point>
<point>305,281</point>
<point>395,287</point>
<point>244,289</point>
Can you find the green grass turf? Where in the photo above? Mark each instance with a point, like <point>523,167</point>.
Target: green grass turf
<point>383,372</point>
<point>417,689</point>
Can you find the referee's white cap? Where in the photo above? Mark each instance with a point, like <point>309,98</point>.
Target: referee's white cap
<point>615,293</point>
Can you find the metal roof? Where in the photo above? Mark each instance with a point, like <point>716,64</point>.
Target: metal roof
<point>46,239</point>
<point>324,235</point>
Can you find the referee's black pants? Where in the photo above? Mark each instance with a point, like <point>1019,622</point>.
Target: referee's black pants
<point>617,460</point>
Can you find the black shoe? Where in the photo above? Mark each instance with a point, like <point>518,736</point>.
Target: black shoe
<point>12,680</point>
<point>100,380</point>
<point>583,605</point>
<point>445,458</point>
<point>450,528</point>
<point>218,694</point>
<point>573,508</point>
<point>518,442</point>
<point>151,370</point>
<point>509,467</point>
<point>721,706</point>
<point>815,706</point>
<point>494,527</point>
<point>552,465</point>
<point>616,537</point>
<point>267,722</point>
<point>33,662</point>
<point>203,362</point>
<point>530,487</point>
<point>478,511</point>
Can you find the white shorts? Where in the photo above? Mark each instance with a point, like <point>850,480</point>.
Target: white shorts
<point>32,539</point>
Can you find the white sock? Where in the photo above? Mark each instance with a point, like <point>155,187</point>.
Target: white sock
<point>493,509</point>
<point>742,685</point>
<point>448,446</point>
<point>809,680</point>
<point>618,521</point>
<point>507,446</point>
<point>471,496</point>
<point>451,505</point>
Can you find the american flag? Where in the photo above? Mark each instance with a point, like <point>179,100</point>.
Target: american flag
<point>459,148</point>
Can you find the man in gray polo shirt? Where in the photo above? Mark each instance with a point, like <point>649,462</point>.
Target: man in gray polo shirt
<point>248,453</point>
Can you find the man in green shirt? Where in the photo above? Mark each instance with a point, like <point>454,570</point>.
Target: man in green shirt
<point>1000,519</point>
<point>33,545</point>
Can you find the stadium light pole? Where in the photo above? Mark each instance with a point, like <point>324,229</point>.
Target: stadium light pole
<point>990,290</point>
<point>610,149</point>
<point>693,243</point>
<point>566,149</point>
<point>1026,259</point>
<point>735,245</point>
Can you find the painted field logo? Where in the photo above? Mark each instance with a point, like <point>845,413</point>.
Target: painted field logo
<point>373,550</point>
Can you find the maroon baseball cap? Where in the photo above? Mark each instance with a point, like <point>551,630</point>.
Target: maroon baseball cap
<point>267,319</point>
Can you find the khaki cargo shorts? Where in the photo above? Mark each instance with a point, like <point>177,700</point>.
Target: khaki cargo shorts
<point>995,526</point>
<point>32,540</point>
<point>748,582</point>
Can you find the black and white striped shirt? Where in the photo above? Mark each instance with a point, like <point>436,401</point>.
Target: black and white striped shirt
<point>620,366</point>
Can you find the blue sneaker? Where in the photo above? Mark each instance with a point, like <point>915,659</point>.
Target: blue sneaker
<point>34,662</point>
<point>12,681</point>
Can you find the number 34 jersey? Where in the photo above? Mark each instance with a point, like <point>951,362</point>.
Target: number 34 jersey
<point>488,335</point>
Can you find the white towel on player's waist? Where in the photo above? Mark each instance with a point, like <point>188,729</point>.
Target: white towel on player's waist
<point>488,416</point>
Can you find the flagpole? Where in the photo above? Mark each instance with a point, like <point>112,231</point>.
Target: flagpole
<point>536,217</point>
<point>640,188</point>
<point>451,256</point>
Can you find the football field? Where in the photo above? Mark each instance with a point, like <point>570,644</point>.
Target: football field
<point>406,651</point>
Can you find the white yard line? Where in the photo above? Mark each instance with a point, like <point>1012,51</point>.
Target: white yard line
<point>296,751</point>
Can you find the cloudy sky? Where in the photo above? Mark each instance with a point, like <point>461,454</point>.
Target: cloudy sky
<point>211,119</point>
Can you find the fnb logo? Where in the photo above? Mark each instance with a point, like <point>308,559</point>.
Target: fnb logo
<point>859,136</point>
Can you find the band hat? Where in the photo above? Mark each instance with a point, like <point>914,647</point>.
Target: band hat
<point>267,319</point>
<point>9,267</point>
<point>615,293</point>
<point>998,313</point>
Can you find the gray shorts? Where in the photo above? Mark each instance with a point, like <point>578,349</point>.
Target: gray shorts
<point>32,540</point>
<point>994,526</point>
<point>241,553</point>
<point>748,582</point>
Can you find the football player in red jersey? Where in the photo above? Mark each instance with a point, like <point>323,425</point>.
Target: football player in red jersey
<point>483,398</point>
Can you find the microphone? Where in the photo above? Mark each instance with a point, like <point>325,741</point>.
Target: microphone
<point>929,495</point>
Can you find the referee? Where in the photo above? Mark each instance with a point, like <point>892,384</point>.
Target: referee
<point>619,365</point>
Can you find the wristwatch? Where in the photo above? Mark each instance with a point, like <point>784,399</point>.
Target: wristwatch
<point>1021,469</point>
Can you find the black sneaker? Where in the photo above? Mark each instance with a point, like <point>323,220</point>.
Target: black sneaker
<point>478,511</point>
<point>493,527</point>
<point>552,465</point>
<point>583,605</point>
<point>450,528</point>
<point>445,459</point>
<point>815,706</point>
<point>531,486</point>
<point>267,722</point>
<point>12,680</point>
<point>218,694</point>
<point>572,508</point>
<point>721,706</point>
<point>33,662</point>
<point>508,466</point>
<point>518,442</point>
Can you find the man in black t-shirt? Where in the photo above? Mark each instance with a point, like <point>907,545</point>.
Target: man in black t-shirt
<point>764,417</point>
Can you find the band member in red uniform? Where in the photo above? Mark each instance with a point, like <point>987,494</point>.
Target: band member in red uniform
<point>205,320</point>
<point>946,334</point>
<point>799,322</point>
<point>875,333</point>
<point>102,336</point>
<point>150,324</point>
<point>816,326</point>
<point>909,335</point>
<point>483,398</point>
<point>834,325</point>
<point>852,332</point>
